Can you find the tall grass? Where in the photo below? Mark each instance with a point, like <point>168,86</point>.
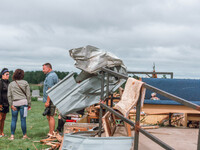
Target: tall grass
<point>37,129</point>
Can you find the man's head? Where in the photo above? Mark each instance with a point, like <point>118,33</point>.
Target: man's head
<point>47,68</point>
<point>153,94</point>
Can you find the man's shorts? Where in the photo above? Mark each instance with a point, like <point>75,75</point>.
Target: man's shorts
<point>52,110</point>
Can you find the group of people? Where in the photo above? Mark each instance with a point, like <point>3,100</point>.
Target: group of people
<point>16,95</point>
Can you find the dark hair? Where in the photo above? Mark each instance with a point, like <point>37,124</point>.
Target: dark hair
<point>4,70</point>
<point>18,74</point>
<point>48,65</point>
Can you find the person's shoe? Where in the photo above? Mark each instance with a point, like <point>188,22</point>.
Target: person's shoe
<point>25,137</point>
<point>11,137</point>
<point>3,135</point>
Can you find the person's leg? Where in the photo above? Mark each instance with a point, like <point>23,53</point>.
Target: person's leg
<point>1,120</point>
<point>23,120</point>
<point>14,121</point>
<point>48,119</point>
<point>2,123</point>
<point>51,120</point>
<point>51,124</point>
<point>61,123</point>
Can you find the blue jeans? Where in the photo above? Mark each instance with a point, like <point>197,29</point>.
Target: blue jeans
<point>14,119</point>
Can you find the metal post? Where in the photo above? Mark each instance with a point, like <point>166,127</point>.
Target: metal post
<point>172,76</point>
<point>107,89</point>
<point>101,109</point>
<point>198,146</point>
<point>137,123</point>
<point>111,105</point>
<point>170,119</point>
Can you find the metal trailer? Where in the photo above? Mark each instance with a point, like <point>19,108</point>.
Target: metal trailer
<point>136,125</point>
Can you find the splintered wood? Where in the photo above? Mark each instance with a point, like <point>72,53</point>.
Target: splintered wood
<point>53,141</point>
<point>77,127</point>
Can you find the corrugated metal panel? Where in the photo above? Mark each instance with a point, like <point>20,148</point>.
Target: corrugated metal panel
<point>69,96</point>
<point>75,142</point>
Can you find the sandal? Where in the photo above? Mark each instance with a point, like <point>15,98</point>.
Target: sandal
<point>11,138</point>
<point>25,137</point>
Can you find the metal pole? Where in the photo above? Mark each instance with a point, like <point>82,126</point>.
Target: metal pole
<point>137,123</point>
<point>101,109</point>
<point>118,114</point>
<point>198,146</point>
<point>172,76</point>
<point>107,88</point>
<point>150,136</point>
<point>111,102</point>
<point>170,119</point>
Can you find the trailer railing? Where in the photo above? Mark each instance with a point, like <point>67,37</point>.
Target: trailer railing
<point>147,73</point>
<point>136,125</point>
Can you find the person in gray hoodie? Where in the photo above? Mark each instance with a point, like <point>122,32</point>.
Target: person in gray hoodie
<point>20,101</point>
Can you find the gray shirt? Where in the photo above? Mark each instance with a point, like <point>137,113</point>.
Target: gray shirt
<point>15,93</point>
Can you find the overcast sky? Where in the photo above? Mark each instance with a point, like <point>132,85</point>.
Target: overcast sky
<point>140,32</point>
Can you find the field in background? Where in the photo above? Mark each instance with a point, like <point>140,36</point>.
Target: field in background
<point>37,129</point>
<point>37,87</point>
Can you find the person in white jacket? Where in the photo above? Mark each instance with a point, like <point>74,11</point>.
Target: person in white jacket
<point>20,101</point>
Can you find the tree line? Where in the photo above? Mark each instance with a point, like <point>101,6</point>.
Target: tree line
<point>37,77</point>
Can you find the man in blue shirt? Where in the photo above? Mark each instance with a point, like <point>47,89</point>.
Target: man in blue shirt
<point>50,80</point>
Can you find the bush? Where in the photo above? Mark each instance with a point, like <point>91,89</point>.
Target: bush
<point>34,99</point>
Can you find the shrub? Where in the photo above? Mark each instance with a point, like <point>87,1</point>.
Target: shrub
<point>34,99</point>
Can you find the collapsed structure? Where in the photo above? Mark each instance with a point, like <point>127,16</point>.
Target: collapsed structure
<point>71,95</point>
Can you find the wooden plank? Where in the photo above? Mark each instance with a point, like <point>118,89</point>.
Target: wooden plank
<point>166,109</point>
<point>185,120</point>
<point>109,124</point>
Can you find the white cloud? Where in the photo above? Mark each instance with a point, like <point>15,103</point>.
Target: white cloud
<point>139,32</point>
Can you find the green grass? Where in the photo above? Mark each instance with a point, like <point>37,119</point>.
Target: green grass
<point>37,129</point>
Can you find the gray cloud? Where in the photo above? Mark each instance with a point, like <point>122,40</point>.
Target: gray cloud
<point>139,32</point>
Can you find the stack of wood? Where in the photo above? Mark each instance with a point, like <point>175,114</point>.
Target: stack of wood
<point>93,111</point>
<point>53,141</point>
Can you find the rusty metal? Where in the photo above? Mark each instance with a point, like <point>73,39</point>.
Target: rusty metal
<point>102,97</point>
<point>137,120</point>
<point>198,146</point>
<point>137,126</point>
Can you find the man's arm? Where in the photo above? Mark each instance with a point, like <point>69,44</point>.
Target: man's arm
<point>48,101</point>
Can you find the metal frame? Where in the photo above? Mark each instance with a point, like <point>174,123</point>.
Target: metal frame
<point>136,125</point>
<point>147,73</point>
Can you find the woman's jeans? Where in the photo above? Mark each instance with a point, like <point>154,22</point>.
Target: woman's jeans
<point>14,119</point>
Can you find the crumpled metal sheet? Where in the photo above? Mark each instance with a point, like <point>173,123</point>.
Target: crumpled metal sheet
<point>69,96</point>
<point>75,142</point>
<point>91,59</point>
